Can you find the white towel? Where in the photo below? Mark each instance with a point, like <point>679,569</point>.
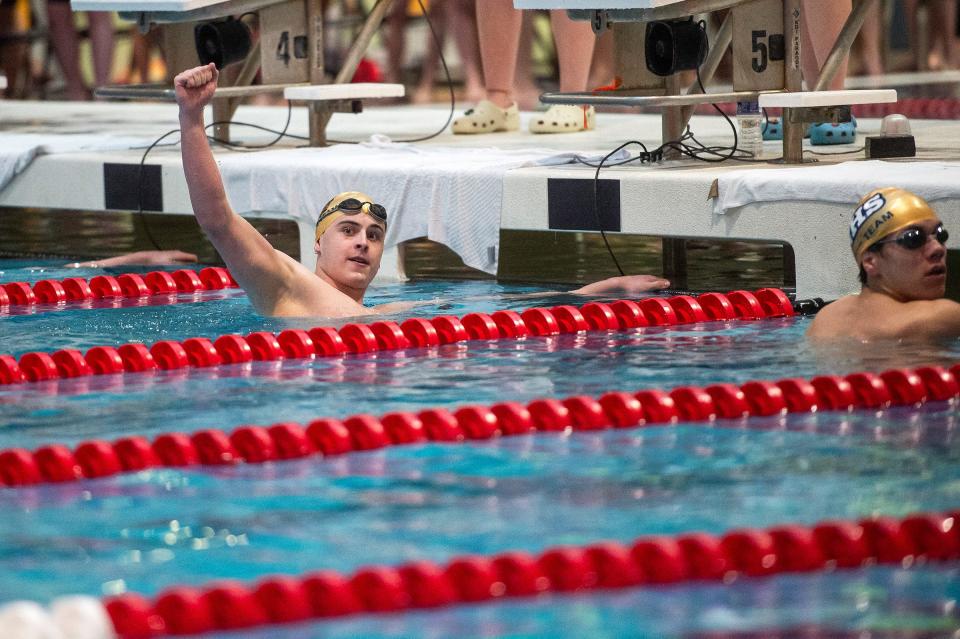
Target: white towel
<point>842,183</point>
<point>450,195</point>
<point>17,150</point>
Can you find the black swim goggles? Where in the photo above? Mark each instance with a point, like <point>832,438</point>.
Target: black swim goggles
<point>915,238</point>
<point>352,206</point>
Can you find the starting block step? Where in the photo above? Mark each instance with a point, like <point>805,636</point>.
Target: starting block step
<point>349,91</point>
<point>804,99</point>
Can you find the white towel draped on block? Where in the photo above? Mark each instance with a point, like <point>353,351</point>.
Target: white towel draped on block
<point>451,195</point>
<point>842,183</point>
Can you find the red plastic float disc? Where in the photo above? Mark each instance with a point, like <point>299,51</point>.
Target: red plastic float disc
<point>296,344</point>
<point>940,383</point>
<point>38,367</point>
<point>687,309</point>
<point>97,459</point>
<point>329,436</point>
<point>167,355</point>
<point>379,589</point>
<point>480,326</point>
<point>77,289</point>
<point>693,403</point>
<point>570,319</point>
<point>57,464</point>
<point>187,281</point>
<point>886,540</point>
<point>623,410</point>
<point>18,467</point>
<point>427,585</point>
<point>586,413</point>
<point>568,569</point>
<point>729,401</point>
<point>613,565</point>
<point>403,428</point>
<point>510,324</point>
<point>214,448</point>
<point>214,278</point>
<point>20,293</point>
<point>390,336</point>
<point>799,395</point>
<point>160,282</point>
<point>253,444</point>
<point>70,363</point>
<point>906,388</point>
<point>420,333</point>
<point>550,415</point>
<point>658,407</point>
<point>132,285</point>
<point>138,358</point>
<point>658,312</point>
<point>513,418</point>
<point>540,321</point>
<point>519,573</point>
<point>660,560</point>
<point>473,578</point>
<point>629,314</point>
<point>264,346</point>
<point>441,426</point>
<point>358,338</point>
<point>133,617</point>
<point>49,292</point>
<point>232,349</point>
<point>10,372</point>
<point>869,391</point>
<point>764,398</point>
<point>746,305</point>
<point>104,287</point>
<point>290,441</point>
<point>750,551</point>
<point>842,542</point>
<point>104,360</point>
<point>330,595</point>
<point>449,329</point>
<point>775,302</point>
<point>600,317</point>
<point>833,392</point>
<point>201,353</point>
<point>283,600</point>
<point>717,306</point>
<point>175,449</point>
<point>327,341</point>
<point>135,453</point>
<point>796,548</point>
<point>477,422</point>
<point>366,432</point>
<point>233,606</point>
<point>184,612</point>
<point>703,556</point>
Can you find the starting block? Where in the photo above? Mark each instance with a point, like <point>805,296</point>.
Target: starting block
<point>326,99</point>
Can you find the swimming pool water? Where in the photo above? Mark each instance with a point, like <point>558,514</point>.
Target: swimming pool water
<point>150,530</point>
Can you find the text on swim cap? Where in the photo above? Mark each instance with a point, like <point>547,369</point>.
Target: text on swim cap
<point>864,211</point>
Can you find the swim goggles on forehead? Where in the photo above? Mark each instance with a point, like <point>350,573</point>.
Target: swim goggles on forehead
<point>914,238</point>
<point>352,206</point>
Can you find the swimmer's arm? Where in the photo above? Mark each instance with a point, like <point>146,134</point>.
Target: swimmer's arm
<point>257,267</point>
<point>628,285</point>
<point>151,258</point>
<point>400,307</point>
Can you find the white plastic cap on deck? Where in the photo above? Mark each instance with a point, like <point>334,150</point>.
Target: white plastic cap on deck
<point>349,91</point>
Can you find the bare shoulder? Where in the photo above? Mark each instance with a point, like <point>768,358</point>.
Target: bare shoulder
<point>932,318</point>
<point>834,319</point>
<point>307,295</point>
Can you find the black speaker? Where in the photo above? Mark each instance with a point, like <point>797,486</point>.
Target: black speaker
<point>674,46</point>
<point>222,42</point>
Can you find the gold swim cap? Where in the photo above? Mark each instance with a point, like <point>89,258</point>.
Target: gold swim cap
<point>882,212</point>
<point>328,217</point>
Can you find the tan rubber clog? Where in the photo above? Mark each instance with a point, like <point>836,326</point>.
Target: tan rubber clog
<point>564,118</point>
<point>487,117</point>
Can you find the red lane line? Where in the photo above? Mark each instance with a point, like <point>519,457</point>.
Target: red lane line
<point>646,562</point>
<point>257,444</point>
<point>384,335</point>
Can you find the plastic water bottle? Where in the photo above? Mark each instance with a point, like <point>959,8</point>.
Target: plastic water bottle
<point>749,119</point>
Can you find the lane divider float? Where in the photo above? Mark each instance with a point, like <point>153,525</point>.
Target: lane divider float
<point>57,463</point>
<point>200,352</point>
<point>128,285</point>
<point>651,562</point>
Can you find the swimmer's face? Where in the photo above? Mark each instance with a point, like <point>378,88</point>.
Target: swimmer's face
<point>917,274</point>
<point>349,252</point>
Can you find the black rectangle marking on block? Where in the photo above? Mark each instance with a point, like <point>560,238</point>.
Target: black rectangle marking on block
<point>570,204</point>
<point>122,181</point>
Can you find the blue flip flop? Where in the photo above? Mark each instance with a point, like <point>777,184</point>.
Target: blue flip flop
<point>823,133</point>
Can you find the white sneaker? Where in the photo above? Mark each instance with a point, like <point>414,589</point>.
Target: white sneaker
<point>487,117</point>
<point>564,118</point>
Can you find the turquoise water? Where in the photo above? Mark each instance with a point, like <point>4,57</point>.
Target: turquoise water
<point>147,531</point>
